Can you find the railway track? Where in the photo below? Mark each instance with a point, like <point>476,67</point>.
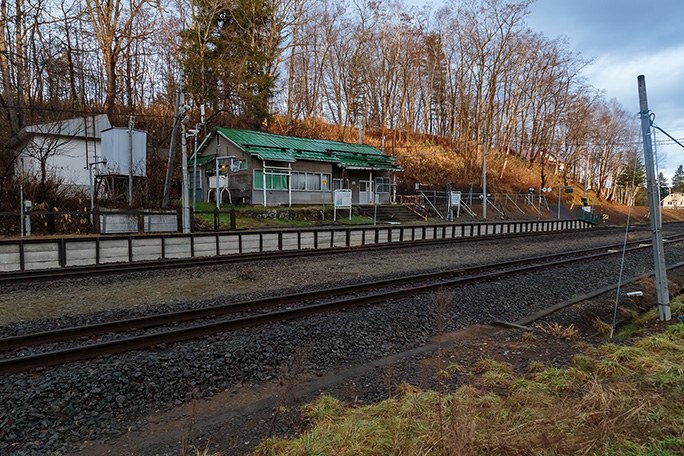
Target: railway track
<point>280,309</point>
<point>76,272</point>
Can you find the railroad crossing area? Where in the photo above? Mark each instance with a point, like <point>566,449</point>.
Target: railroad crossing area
<point>32,254</point>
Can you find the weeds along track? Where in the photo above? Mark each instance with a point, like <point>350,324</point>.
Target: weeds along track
<point>39,350</point>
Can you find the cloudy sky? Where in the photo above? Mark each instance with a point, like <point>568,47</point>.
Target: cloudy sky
<point>628,38</point>
<point>625,38</point>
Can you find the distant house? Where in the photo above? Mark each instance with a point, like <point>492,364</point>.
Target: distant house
<point>268,169</point>
<point>549,158</point>
<point>674,200</point>
<point>62,150</point>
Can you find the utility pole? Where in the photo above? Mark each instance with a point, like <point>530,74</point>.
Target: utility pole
<point>185,196</point>
<point>484,174</point>
<point>584,168</point>
<point>172,149</point>
<point>195,134</point>
<point>360,131</point>
<point>21,199</point>
<point>654,205</point>
<point>130,161</point>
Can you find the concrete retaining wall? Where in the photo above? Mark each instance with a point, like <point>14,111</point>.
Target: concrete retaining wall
<point>54,253</point>
<point>124,224</point>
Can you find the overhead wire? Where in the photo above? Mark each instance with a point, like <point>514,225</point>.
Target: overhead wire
<point>84,112</point>
<point>666,134</point>
<point>624,250</point>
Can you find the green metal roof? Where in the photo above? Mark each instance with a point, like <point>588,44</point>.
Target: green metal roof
<point>201,160</point>
<point>268,146</point>
<point>268,153</point>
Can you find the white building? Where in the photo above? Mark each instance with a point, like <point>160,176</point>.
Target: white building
<point>64,149</point>
<point>674,200</point>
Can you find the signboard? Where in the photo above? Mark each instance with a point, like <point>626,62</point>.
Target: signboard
<point>342,199</point>
<point>222,182</point>
<point>454,199</point>
<point>454,202</point>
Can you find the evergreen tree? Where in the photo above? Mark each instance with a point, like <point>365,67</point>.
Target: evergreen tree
<point>633,173</point>
<point>631,179</point>
<point>678,180</point>
<point>662,183</point>
<point>226,60</point>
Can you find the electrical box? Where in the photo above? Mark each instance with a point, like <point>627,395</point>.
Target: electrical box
<point>116,145</point>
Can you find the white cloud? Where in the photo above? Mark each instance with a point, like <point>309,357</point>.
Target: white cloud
<point>664,72</point>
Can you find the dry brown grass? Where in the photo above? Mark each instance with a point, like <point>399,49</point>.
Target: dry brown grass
<point>559,331</point>
<point>603,329</point>
<point>529,337</point>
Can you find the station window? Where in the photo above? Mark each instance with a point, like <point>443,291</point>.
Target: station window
<point>298,181</point>
<point>275,180</point>
<point>313,181</point>
<point>383,184</point>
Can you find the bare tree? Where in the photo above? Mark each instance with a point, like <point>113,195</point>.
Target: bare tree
<point>115,26</point>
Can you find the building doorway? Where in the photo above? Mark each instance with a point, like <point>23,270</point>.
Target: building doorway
<point>365,192</point>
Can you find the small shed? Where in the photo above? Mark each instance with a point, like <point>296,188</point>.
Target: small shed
<point>65,149</point>
<point>263,168</point>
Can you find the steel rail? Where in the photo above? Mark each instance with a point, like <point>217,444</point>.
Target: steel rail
<point>63,334</point>
<point>201,330</point>
<point>76,272</point>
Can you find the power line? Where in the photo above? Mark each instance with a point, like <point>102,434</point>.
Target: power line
<point>668,135</point>
<point>82,112</point>
<point>559,145</point>
<point>435,153</point>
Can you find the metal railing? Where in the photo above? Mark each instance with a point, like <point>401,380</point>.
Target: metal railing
<point>589,217</point>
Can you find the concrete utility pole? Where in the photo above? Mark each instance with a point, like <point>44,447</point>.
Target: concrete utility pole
<point>130,161</point>
<point>185,197</point>
<point>654,205</point>
<point>484,175</point>
<point>194,133</point>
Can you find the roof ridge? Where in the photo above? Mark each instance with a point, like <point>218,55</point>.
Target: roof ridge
<point>297,137</point>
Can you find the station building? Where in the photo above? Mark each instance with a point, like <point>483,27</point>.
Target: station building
<point>266,169</point>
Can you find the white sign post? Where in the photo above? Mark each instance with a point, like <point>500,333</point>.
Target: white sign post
<point>343,199</point>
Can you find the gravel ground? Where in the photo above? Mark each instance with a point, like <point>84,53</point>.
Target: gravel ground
<point>55,411</point>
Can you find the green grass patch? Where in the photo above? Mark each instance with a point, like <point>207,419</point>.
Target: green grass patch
<point>627,330</point>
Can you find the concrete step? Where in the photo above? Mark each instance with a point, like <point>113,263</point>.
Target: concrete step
<point>390,213</point>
